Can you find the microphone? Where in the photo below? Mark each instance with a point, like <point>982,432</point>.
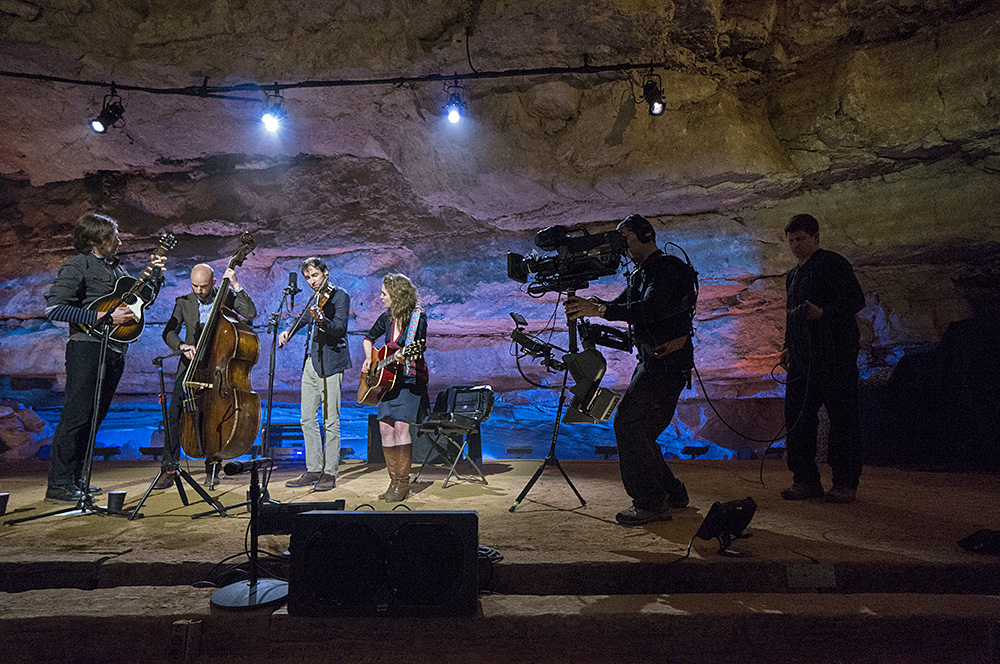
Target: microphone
<point>164,357</point>
<point>237,467</point>
<point>293,286</point>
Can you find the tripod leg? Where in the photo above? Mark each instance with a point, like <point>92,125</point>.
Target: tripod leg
<point>558,465</point>
<point>219,507</point>
<point>531,483</point>
<point>135,512</point>
<point>64,510</point>
<point>180,488</point>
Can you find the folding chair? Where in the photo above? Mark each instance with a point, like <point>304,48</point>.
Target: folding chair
<point>458,412</point>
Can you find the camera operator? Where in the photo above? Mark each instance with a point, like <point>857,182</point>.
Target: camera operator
<point>658,304</point>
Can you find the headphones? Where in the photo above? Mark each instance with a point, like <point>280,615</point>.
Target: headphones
<point>639,225</point>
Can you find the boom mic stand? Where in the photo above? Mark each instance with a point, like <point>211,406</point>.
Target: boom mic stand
<point>550,458</point>
<point>181,474</point>
<point>86,504</point>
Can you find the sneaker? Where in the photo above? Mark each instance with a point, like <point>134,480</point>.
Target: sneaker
<point>63,493</point>
<point>802,492</point>
<point>636,516</point>
<point>841,494</point>
<point>678,498</point>
<point>165,480</point>
<point>325,483</point>
<point>305,479</point>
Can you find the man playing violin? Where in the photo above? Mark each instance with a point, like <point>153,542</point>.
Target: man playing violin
<point>191,312</point>
<point>89,275</point>
<point>327,357</point>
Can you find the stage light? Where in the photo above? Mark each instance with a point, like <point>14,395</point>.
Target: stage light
<point>454,106</point>
<point>652,94</point>
<point>111,113</point>
<point>274,110</point>
<point>726,522</point>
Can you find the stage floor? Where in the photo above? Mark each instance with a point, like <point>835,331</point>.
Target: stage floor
<point>899,540</point>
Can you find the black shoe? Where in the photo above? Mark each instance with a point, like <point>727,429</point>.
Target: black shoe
<point>802,491</point>
<point>94,490</point>
<point>63,493</point>
<point>636,516</point>
<point>678,498</point>
<point>841,494</point>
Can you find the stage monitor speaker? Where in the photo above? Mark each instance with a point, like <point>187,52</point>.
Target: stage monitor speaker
<point>384,563</point>
<point>277,518</point>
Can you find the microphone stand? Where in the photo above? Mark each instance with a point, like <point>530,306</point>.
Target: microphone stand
<point>252,592</point>
<point>181,474</point>
<point>86,504</point>
<point>272,327</point>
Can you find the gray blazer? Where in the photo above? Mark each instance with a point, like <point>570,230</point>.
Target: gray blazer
<point>186,315</point>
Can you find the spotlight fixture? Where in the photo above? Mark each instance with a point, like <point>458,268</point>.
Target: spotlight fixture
<point>111,113</point>
<point>652,93</point>
<point>726,522</point>
<point>454,106</point>
<point>274,110</point>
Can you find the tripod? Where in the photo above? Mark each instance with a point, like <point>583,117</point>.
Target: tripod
<point>550,458</point>
<point>180,474</point>
<point>254,591</point>
<point>86,504</point>
<point>265,444</point>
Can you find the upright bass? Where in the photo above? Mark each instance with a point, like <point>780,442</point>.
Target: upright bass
<point>221,414</point>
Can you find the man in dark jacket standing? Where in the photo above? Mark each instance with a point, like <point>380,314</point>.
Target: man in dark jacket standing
<point>191,312</point>
<point>89,275</point>
<point>327,357</point>
<point>823,298</point>
<point>659,305</point>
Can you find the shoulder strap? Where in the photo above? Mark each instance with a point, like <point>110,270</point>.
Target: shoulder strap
<point>410,366</point>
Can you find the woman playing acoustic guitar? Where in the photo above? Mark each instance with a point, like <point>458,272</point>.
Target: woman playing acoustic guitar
<point>402,326</point>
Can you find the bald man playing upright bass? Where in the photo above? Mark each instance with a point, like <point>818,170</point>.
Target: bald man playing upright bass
<point>191,311</point>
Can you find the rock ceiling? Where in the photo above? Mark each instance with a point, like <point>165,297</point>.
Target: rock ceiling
<point>878,116</point>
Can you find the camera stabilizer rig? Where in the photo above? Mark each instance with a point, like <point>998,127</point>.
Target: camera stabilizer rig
<point>580,257</point>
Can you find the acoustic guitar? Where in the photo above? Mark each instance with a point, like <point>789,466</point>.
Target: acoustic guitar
<point>383,371</point>
<point>134,293</point>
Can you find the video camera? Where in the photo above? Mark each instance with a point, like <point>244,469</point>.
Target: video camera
<point>580,258</point>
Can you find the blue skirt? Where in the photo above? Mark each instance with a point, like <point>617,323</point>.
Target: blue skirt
<point>405,403</point>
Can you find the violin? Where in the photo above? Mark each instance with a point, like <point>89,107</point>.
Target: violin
<point>321,297</point>
<point>324,294</point>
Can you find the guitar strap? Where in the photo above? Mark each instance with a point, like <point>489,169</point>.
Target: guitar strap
<point>410,366</point>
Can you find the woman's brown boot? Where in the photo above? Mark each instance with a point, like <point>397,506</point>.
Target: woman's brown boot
<point>402,479</point>
<point>389,454</point>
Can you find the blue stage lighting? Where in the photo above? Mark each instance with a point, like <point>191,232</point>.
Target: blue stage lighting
<point>274,111</point>
<point>454,108</point>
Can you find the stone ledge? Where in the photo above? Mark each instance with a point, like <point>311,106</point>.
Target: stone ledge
<point>152,623</point>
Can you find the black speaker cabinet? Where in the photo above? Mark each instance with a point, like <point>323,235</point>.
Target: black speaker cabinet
<point>384,563</point>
